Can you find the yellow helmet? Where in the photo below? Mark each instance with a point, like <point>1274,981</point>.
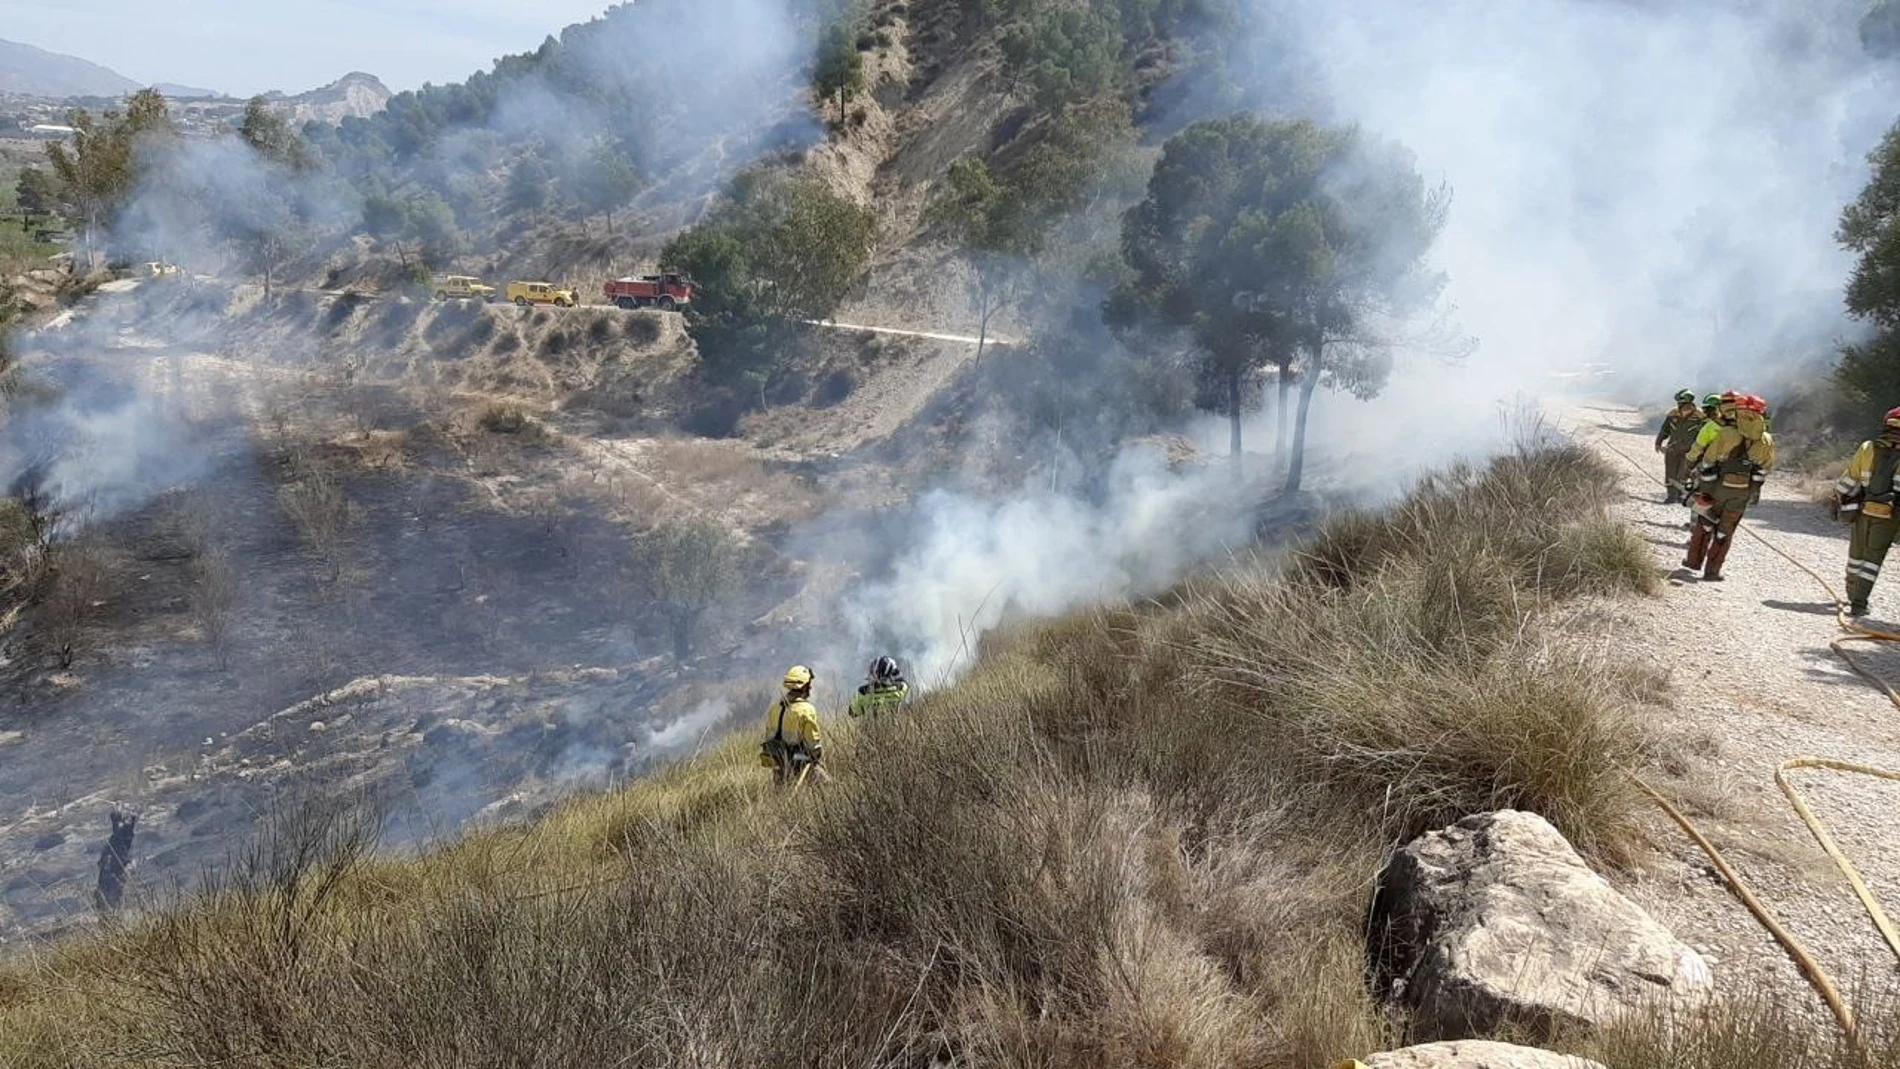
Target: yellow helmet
<point>797,677</point>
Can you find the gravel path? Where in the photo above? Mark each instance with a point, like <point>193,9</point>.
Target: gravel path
<point>1754,683</point>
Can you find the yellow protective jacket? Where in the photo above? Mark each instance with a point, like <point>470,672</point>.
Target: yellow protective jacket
<point>1721,455</point>
<point>1704,438</point>
<point>800,724</point>
<point>1874,462</point>
<point>872,698</point>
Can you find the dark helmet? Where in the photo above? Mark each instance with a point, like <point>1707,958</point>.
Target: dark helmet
<point>1685,397</point>
<point>885,670</point>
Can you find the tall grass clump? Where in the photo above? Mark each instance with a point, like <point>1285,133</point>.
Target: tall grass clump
<point>1141,835</point>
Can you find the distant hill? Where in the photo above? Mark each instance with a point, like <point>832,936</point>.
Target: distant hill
<point>355,95</point>
<point>37,72</point>
<point>186,92</point>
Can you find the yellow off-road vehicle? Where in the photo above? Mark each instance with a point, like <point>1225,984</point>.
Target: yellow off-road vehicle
<point>464,287</point>
<point>157,269</point>
<point>527,293</point>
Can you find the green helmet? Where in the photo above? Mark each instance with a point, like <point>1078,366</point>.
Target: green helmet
<point>1684,397</point>
<point>1713,400</point>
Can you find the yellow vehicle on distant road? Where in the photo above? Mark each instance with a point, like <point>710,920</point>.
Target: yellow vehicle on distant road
<point>527,293</point>
<point>463,287</point>
<point>157,269</point>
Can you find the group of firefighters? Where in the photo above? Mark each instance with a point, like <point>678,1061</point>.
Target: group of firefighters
<point>795,750</point>
<point>1716,458</point>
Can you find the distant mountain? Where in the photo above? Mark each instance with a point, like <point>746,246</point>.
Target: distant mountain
<point>355,95</point>
<point>186,92</point>
<point>37,72</point>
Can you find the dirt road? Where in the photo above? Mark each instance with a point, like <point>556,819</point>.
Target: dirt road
<point>1754,684</point>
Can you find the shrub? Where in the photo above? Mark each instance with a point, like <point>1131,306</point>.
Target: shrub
<point>687,570</point>
<point>834,388</point>
<point>641,329</point>
<point>505,417</point>
<point>82,578</point>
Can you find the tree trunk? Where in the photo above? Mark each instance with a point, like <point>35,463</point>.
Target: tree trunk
<point>982,321</point>
<point>685,625</point>
<point>1307,385</point>
<point>1233,419</point>
<point>1285,380</point>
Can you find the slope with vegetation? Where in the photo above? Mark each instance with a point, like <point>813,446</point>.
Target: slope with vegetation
<point>1142,834</point>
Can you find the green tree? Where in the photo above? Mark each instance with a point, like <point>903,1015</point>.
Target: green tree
<point>1002,222</point>
<point>1281,244</point>
<point>528,182</point>
<point>777,250</point>
<point>839,70</point>
<point>686,570</point>
<point>1870,227</point>
<point>992,224</point>
<point>102,165</point>
<point>36,192</point>
<point>270,135</point>
<point>264,226</point>
<point>605,182</point>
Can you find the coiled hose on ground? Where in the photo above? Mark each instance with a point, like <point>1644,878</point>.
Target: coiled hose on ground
<point>1824,984</point>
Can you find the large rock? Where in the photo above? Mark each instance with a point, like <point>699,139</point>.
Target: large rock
<point>1476,1054</point>
<point>1496,921</point>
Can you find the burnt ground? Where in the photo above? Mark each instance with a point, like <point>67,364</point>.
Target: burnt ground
<point>484,626</point>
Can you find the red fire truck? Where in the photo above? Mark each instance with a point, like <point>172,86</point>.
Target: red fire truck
<point>668,290</point>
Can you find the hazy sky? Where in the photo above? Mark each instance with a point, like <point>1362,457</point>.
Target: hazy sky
<point>243,47</point>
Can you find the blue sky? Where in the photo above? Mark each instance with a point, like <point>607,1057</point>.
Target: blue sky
<point>243,47</point>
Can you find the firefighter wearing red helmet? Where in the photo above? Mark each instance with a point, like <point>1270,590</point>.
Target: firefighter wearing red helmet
<point>1864,496</point>
<point>1729,471</point>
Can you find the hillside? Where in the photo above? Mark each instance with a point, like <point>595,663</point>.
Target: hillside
<point>31,71</point>
<point>1185,887</point>
<point>1159,382</point>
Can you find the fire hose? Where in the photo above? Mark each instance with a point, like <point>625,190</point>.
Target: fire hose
<point>1823,984</point>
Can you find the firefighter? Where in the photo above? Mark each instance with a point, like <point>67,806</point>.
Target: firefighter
<point>1675,439</point>
<point>795,749</point>
<point>883,689</point>
<point>1864,496</point>
<point>1718,411</point>
<point>1726,477</point>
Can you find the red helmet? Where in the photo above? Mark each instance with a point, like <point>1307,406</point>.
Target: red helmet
<point>1893,417</point>
<point>1753,403</point>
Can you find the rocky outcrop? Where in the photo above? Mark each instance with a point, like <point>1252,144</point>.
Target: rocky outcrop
<point>1495,921</point>
<point>1476,1054</point>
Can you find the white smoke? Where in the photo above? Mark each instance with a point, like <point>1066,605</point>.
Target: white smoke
<point>974,562</point>
<point>1649,188</point>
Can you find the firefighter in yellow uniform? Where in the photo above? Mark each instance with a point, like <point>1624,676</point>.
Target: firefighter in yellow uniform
<point>1725,478</point>
<point>1865,497</point>
<point>795,749</point>
<point>884,690</point>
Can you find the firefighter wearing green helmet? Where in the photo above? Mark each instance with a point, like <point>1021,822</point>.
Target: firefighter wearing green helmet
<point>794,749</point>
<point>1674,440</point>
